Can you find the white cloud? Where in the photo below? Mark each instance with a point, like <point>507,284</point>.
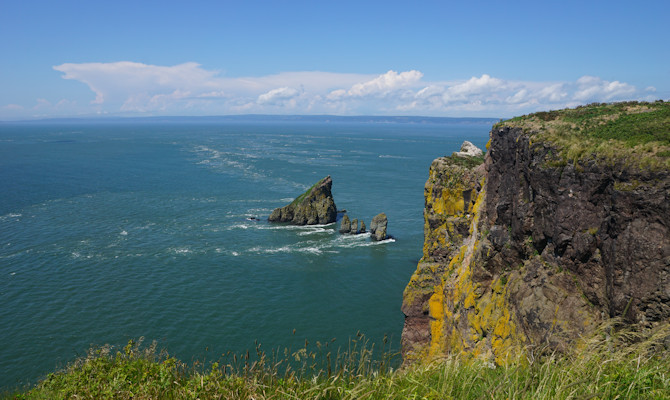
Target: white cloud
<point>278,96</point>
<point>591,88</point>
<point>190,89</point>
<point>552,93</point>
<point>383,84</point>
<point>109,81</point>
<point>474,85</point>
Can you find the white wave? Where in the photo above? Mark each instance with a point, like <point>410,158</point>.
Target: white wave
<point>308,247</point>
<point>353,238</point>
<point>318,225</point>
<point>239,226</point>
<point>316,231</point>
<point>11,215</point>
<point>123,233</point>
<point>283,249</point>
<point>390,156</point>
<point>360,240</point>
<point>313,250</point>
<point>259,210</point>
<point>385,241</point>
<point>295,227</point>
<point>183,250</point>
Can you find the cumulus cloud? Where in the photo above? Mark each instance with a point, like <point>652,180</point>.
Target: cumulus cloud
<point>383,84</point>
<point>110,81</point>
<point>278,96</point>
<point>591,88</point>
<point>486,94</point>
<point>191,89</point>
<point>474,85</point>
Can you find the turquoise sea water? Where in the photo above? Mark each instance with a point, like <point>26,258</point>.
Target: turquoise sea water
<point>114,230</point>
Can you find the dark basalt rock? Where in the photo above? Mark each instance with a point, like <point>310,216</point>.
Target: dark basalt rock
<point>529,251</point>
<point>315,206</point>
<point>606,224</point>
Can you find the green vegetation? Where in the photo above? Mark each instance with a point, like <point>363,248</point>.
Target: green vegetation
<point>300,198</point>
<point>634,133</point>
<point>613,364</point>
<point>467,162</point>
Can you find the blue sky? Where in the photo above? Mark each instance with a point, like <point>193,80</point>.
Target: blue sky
<point>434,58</point>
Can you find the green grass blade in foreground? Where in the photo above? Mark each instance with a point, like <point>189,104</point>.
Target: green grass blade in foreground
<point>615,363</point>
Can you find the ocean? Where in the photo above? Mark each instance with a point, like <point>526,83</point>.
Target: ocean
<point>113,230</point>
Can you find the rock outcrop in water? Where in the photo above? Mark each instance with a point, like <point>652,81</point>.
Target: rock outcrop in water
<point>315,206</point>
<point>354,226</point>
<point>565,223</point>
<point>378,227</point>
<point>345,224</point>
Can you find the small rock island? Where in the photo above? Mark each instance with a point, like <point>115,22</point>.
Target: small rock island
<point>315,206</point>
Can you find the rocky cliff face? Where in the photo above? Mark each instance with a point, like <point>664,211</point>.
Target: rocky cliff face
<point>533,249</point>
<point>315,206</point>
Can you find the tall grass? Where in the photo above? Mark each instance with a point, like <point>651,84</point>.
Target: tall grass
<point>616,363</point>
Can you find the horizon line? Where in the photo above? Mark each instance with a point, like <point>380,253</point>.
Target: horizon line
<point>296,117</point>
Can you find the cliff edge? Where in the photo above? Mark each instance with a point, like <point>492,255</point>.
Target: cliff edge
<point>564,223</point>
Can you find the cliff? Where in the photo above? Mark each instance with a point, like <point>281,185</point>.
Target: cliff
<point>563,224</point>
<point>315,206</point>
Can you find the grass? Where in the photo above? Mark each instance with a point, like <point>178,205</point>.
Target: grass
<point>300,198</point>
<point>632,133</point>
<point>467,162</point>
<point>614,364</point>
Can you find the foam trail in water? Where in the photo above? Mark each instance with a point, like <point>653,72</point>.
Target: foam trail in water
<point>10,216</point>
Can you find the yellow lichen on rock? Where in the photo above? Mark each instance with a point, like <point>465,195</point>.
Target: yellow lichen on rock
<point>463,315</point>
<point>525,248</point>
<point>448,202</point>
<point>436,313</point>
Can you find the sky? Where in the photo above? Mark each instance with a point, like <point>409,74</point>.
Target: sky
<point>426,58</point>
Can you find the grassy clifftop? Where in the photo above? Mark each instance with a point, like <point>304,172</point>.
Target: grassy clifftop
<point>611,365</point>
<point>634,133</point>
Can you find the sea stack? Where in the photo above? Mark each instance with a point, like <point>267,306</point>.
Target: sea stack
<point>345,225</point>
<point>378,227</point>
<point>315,206</point>
<point>354,226</point>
